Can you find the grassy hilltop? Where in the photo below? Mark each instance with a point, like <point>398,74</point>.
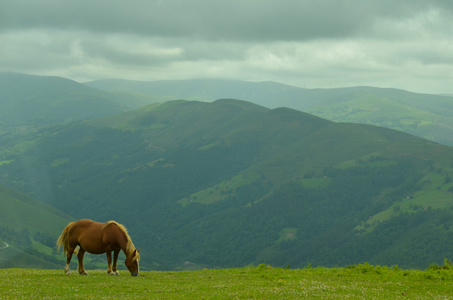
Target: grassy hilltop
<point>263,282</point>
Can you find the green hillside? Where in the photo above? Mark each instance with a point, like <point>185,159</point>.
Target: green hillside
<point>231,183</point>
<point>40,100</point>
<point>28,230</point>
<point>428,116</point>
<point>424,115</point>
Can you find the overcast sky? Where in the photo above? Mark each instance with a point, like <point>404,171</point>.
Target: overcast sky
<point>405,44</point>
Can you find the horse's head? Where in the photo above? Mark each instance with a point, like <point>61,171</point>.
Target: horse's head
<point>132,262</point>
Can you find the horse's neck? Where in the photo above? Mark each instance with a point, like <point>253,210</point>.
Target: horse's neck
<point>122,241</point>
<point>127,247</point>
<point>123,246</point>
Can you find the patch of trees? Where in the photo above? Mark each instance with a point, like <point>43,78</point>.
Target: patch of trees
<point>239,231</point>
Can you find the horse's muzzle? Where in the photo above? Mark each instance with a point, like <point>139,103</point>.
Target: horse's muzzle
<point>134,274</point>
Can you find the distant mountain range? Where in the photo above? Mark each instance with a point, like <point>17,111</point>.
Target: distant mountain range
<point>229,183</point>
<point>428,116</point>
<point>30,100</point>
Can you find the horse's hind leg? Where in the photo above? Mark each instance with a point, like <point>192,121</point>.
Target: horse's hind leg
<point>67,268</point>
<point>80,257</point>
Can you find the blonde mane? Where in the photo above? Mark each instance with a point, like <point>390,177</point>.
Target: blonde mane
<point>129,246</point>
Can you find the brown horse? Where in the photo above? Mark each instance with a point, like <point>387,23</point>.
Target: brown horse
<point>98,238</point>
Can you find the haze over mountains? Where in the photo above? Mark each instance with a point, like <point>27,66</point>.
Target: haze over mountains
<point>425,115</point>
<point>58,100</point>
<point>230,183</point>
<point>38,100</point>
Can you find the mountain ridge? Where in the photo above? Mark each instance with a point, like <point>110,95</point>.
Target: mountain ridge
<point>32,100</point>
<point>425,115</point>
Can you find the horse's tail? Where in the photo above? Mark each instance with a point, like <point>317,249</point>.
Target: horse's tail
<point>63,240</point>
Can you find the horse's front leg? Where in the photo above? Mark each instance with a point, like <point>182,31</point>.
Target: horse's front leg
<point>80,257</point>
<point>115,259</point>
<point>109,262</point>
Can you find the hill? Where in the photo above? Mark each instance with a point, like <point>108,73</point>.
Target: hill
<point>28,230</point>
<point>231,183</point>
<point>424,115</point>
<point>30,100</point>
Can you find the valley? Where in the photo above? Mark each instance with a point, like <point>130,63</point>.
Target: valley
<point>228,183</point>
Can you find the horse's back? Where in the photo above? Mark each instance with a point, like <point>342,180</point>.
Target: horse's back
<point>85,222</point>
<point>87,234</point>
<point>80,226</point>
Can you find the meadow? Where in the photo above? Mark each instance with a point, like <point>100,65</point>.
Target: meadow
<point>361,281</point>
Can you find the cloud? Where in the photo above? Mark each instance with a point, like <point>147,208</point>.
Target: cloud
<point>313,43</point>
<point>264,20</point>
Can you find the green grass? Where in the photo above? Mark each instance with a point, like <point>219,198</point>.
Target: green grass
<point>58,162</point>
<point>262,282</point>
<point>287,234</point>
<point>219,191</point>
<point>316,182</point>
<point>5,162</point>
<point>422,200</point>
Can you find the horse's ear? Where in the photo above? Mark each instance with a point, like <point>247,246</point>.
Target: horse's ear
<point>136,254</point>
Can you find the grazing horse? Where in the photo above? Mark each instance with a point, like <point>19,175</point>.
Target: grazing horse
<point>98,238</point>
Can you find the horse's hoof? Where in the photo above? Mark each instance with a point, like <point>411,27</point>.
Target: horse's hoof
<point>67,270</point>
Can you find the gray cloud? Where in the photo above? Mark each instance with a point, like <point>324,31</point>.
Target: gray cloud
<point>214,19</point>
<point>312,43</point>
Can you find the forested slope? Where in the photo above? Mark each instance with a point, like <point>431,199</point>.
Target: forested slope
<point>230,183</point>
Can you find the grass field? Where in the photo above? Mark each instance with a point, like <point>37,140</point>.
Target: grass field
<point>262,282</point>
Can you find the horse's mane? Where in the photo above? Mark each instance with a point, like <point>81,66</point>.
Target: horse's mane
<point>129,246</point>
